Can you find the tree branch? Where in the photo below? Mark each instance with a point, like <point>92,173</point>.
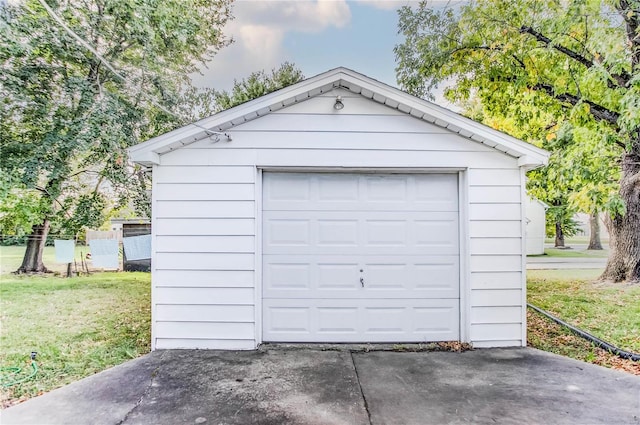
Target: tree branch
<point>621,80</point>
<point>547,41</point>
<point>599,112</point>
<point>632,24</point>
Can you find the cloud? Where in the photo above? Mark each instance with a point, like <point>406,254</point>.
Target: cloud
<point>259,29</point>
<point>260,41</point>
<point>385,4</point>
<point>396,4</point>
<point>303,15</point>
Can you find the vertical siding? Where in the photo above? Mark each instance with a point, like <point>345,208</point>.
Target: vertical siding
<point>204,248</point>
<point>206,217</point>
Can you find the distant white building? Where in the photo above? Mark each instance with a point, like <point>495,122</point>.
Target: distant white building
<point>536,225</point>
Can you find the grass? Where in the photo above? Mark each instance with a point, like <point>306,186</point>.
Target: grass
<point>573,253</point>
<point>11,258</point>
<point>609,311</point>
<point>578,239</point>
<point>78,326</point>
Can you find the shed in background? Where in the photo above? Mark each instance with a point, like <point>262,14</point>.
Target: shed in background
<point>536,211</point>
<point>128,228</point>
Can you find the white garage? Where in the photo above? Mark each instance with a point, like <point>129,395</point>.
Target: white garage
<point>337,210</point>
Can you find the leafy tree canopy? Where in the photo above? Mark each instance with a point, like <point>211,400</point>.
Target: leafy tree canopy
<point>258,84</point>
<point>67,116</point>
<point>537,64</point>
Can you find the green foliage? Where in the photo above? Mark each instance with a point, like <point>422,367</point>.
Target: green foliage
<point>66,119</point>
<point>89,211</point>
<point>556,74</point>
<point>19,208</point>
<point>258,84</point>
<point>561,214</point>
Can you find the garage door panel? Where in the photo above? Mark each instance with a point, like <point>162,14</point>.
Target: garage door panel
<point>385,233</point>
<point>336,319</point>
<point>316,320</point>
<point>375,233</point>
<point>391,189</point>
<point>437,192</point>
<point>287,232</point>
<point>440,234</point>
<point>337,188</point>
<point>349,192</point>
<point>338,276</point>
<point>289,320</point>
<point>336,232</point>
<point>287,275</point>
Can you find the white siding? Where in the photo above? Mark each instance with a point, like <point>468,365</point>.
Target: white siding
<point>496,257</point>
<point>204,250</point>
<point>205,216</point>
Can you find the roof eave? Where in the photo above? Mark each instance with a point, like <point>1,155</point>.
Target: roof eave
<point>529,156</point>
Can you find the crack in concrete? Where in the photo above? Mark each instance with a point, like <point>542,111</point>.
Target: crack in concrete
<point>364,399</point>
<point>144,393</point>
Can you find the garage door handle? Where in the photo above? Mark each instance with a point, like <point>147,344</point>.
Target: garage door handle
<point>362,281</point>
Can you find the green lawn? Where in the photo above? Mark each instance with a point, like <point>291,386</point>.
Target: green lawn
<point>573,253</point>
<point>582,239</point>
<point>78,326</point>
<point>610,312</point>
<point>11,258</point>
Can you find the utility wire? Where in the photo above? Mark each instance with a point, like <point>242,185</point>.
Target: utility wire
<point>106,63</point>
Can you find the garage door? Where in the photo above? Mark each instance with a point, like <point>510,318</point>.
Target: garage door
<point>360,257</point>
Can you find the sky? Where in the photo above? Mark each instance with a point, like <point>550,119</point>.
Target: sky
<point>315,35</point>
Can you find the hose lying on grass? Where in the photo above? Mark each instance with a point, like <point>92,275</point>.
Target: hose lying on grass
<point>9,375</point>
<point>597,341</point>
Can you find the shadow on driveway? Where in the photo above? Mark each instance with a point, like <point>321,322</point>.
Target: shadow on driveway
<point>312,386</point>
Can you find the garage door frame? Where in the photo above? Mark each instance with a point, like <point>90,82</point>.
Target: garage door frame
<point>463,231</point>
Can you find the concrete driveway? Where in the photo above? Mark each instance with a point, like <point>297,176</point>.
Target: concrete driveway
<point>311,386</point>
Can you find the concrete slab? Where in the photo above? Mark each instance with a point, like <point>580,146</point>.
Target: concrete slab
<point>315,386</point>
<point>104,398</point>
<point>506,386</point>
<point>214,387</point>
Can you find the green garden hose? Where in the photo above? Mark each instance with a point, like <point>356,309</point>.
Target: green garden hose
<point>9,376</point>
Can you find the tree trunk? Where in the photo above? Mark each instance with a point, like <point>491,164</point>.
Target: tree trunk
<point>623,264</point>
<point>559,235</point>
<point>594,232</point>
<point>32,261</point>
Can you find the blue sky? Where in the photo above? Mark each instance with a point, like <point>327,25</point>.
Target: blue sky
<point>316,35</point>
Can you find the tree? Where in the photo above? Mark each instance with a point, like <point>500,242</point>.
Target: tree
<point>580,177</point>
<point>257,84</point>
<point>578,60</point>
<point>81,82</point>
<point>551,184</point>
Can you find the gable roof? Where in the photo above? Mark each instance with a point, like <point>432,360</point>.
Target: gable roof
<point>149,152</point>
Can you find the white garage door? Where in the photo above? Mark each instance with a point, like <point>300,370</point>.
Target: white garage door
<point>360,257</point>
